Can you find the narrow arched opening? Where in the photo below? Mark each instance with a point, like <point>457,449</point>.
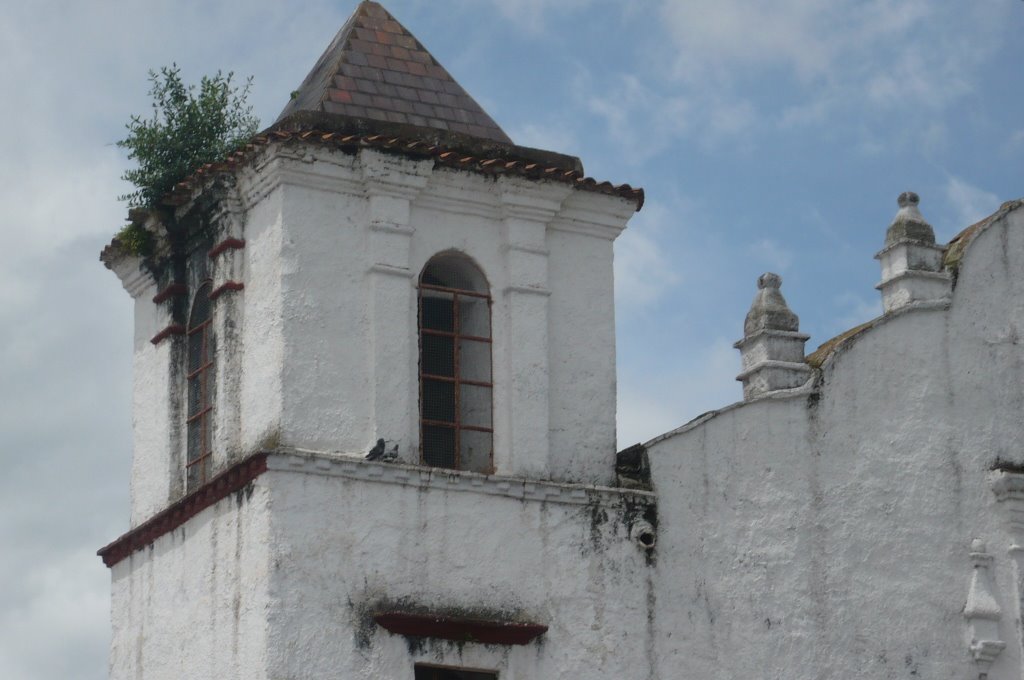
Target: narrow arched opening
<point>198,463</point>
<point>456,385</point>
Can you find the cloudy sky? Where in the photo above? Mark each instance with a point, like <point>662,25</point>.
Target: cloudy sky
<point>770,135</point>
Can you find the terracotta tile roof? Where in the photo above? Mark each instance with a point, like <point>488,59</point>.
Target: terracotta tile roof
<point>958,244</point>
<point>375,69</point>
<point>511,160</point>
<point>442,155</point>
<point>955,250</point>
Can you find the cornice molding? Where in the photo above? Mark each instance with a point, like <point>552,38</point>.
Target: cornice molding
<point>352,467</point>
<point>239,475</point>
<point>134,276</point>
<point>223,485</point>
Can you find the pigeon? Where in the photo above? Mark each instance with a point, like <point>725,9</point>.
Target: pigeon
<point>377,452</point>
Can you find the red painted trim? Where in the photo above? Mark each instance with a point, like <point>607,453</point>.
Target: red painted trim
<point>225,287</point>
<point>227,244</point>
<point>173,329</point>
<point>173,290</point>
<point>223,485</point>
<point>458,629</point>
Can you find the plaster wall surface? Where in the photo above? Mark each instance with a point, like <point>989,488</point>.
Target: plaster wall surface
<point>582,360</point>
<point>281,579</point>
<point>262,347</point>
<point>193,604</point>
<point>827,533</point>
<point>151,476</point>
<point>327,371</point>
<point>334,251</point>
<point>319,352</point>
<point>345,548</point>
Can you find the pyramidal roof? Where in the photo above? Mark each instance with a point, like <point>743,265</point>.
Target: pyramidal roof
<point>375,70</point>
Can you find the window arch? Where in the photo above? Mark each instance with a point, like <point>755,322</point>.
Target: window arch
<point>200,389</point>
<point>455,365</point>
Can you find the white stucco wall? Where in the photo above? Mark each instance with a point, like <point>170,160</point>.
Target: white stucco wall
<point>281,579</point>
<point>828,534</point>
<point>351,540</point>
<point>194,604</point>
<point>260,357</point>
<point>818,532</point>
<point>319,352</point>
<point>330,317</point>
<point>318,356</point>
<point>152,459</point>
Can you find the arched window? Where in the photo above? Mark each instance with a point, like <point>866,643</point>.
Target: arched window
<point>455,365</point>
<point>200,389</point>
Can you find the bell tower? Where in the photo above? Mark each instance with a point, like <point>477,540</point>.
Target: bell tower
<point>374,392</point>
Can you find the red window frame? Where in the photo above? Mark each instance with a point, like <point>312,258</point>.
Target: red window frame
<point>456,379</point>
<point>200,374</point>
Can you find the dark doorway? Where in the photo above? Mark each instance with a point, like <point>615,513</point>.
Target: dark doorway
<point>435,673</point>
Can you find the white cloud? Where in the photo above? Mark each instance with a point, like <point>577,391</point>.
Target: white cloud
<point>850,310</point>
<point>716,33</point>
<point>553,136</point>
<point>969,202</point>
<point>702,379</point>
<point>771,253</point>
<point>532,15</point>
<point>60,605</point>
<point>644,271</point>
<point>644,118</point>
<point>638,117</point>
<point>846,55</point>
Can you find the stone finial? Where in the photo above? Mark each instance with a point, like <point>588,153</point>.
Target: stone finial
<point>982,612</point>
<point>909,224</point>
<point>911,262</point>
<point>769,310</point>
<point>772,348</point>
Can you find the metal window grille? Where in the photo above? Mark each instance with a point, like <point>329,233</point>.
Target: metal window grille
<point>438,673</point>
<point>455,366</point>
<point>200,397</point>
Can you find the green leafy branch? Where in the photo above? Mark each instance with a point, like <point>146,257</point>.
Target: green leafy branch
<point>189,128</point>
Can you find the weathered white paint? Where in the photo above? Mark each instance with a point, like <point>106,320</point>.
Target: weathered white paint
<point>319,352</point>
<point>280,582</point>
<point>827,533</point>
<point>195,604</point>
<point>832,529</point>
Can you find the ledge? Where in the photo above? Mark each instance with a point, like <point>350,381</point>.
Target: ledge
<point>225,245</point>
<point>795,366</point>
<point>242,473</point>
<point>769,333</point>
<point>909,242</point>
<point>173,329</point>
<point>914,274</point>
<point>519,488</point>
<point>223,485</point>
<point>227,286</point>
<point>459,629</point>
<point>173,290</point>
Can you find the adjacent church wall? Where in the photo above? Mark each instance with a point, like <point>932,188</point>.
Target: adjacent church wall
<point>194,604</point>
<point>828,533</point>
<point>344,549</point>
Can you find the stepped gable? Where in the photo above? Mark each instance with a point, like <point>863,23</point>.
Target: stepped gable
<point>375,70</point>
